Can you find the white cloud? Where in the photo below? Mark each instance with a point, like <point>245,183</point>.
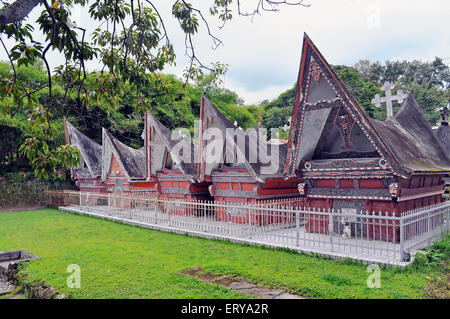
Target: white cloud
<point>254,97</point>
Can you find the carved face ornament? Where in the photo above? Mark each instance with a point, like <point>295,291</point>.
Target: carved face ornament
<point>393,189</point>
<point>302,189</point>
<point>344,126</point>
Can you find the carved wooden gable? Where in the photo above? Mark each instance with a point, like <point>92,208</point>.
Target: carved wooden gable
<point>230,151</point>
<point>342,137</point>
<point>209,119</point>
<point>164,151</point>
<point>327,123</point>
<point>157,156</point>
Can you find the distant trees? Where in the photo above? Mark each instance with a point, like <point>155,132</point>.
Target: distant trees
<point>179,109</point>
<point>363,90</point>
<point>426,74</point>
<point>276,117</point>
<point>229,103</point>
<point>277,112</point>
<point>132,46</point>
<point>285,99</point>
<point>428,81</point>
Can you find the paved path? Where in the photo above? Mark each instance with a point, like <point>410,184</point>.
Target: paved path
<point>241,285</point>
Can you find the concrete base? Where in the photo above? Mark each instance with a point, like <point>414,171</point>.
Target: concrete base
<point>9,260</point>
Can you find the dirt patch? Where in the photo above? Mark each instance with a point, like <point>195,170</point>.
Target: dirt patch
<point>191,272</point>
<point>241,285</point>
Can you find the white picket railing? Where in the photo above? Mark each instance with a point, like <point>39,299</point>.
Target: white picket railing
<point>370,236</point>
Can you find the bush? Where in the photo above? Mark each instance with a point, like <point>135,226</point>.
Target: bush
<point>436,256</point>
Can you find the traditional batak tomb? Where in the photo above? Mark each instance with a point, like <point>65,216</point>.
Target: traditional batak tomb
<point>250,170</point>
<point>247,170</point>
<point>123,167</point>
<point>336,157</point>
<point>350,162</point>
<point>171,163</point>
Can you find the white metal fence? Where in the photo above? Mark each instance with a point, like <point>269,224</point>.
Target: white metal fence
<point>369,236</point>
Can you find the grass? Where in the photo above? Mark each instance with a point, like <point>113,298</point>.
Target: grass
<point>121,261</point>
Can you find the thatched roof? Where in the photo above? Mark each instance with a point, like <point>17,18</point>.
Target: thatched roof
<point>409,137</point>
<point>131,160</point>
<point>91,152</point>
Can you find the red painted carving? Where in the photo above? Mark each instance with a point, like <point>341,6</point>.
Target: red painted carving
<point>316,72</point>
<point>345,128</point>
<point>302,189</point>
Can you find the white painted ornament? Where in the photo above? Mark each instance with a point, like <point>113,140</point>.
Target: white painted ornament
<point>389,98</point>
<point>347,233</point>
<point>287,127</point>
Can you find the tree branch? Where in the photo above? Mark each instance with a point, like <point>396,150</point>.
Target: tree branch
<point>17,11</point>
<point>10,60</point>
<point>273,5</point>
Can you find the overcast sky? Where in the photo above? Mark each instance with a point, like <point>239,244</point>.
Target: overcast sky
<point>264,54</point>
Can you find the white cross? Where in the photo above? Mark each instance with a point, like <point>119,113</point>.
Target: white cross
<point>236,124</point>
<point>388,87</point>
<point>180,134</point>
<point>287,127</point>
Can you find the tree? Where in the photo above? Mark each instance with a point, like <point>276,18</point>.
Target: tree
<point>276,117</point>
<point>228,102</point>
<point>132,44</point>
<point>363,90</point>
<point>179,111</point>
<point>426,74</point>
<point>428,81</point>
<point>285,99</point>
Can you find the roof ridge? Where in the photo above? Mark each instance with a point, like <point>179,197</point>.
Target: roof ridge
<point>89,149</point>
<point>132,160</point>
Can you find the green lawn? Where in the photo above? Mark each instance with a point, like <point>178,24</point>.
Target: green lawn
<point>121,261</point>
